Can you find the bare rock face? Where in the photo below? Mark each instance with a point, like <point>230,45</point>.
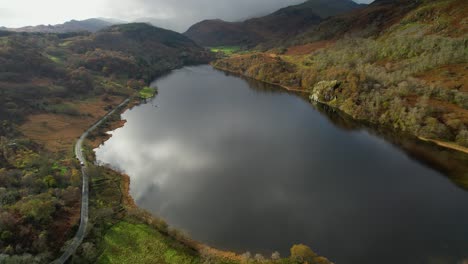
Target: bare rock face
<point>324,91</point>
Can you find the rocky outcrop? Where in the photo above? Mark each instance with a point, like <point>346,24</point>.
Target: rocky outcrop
<point>324,91</point>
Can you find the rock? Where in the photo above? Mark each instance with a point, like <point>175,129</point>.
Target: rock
<point>324,91</point>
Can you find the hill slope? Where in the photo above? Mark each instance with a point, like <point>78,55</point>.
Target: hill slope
<point>280,24</point>
<point>363,22</point>
<point>400,64</point>
<point>152,50</point>
<point>52,88</point>
<point>324,8</point>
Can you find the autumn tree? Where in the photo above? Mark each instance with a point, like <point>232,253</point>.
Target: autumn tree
<point>302,253</point>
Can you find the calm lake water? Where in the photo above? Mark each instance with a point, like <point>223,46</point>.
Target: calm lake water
<point>245,166</point>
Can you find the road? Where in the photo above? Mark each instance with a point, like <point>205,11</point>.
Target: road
<point>80,234</point>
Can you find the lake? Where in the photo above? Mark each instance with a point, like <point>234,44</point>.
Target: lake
<point>245,166</point>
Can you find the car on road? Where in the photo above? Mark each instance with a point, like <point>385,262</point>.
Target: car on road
<point>81,163</point>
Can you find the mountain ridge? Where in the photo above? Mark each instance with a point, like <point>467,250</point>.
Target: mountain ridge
<point>253,31</point>
<point>88,25</point>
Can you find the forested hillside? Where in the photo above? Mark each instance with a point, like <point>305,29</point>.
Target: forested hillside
<point>400,64</point>
<point>52,87</point>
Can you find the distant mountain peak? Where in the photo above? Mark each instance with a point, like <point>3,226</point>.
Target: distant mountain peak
<point>282,23</point>
<point>89,25</point>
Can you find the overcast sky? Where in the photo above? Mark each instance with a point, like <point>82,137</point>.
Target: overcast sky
<point>176,14</point>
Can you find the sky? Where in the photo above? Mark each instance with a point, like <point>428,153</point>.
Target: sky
<point>174,14</point>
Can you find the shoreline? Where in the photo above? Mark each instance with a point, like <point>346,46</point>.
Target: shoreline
<point>130,203</point>
<point>128,200</point>
<point>447,145</point>
<point>267,82</point>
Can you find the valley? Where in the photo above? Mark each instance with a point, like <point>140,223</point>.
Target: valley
<point>328,131</point>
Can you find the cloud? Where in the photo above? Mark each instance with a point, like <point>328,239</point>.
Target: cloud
<point>25,12</point>
<point>177,15</point>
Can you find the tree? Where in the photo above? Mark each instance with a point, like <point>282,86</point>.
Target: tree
<point>50,181</point>
<point>246,256</point>
<point>302,253</point>
<point>276,256</point>
<point>259,257</point>
<point>5,236</point>
<point>89,251</point>
<point>462,138</point>
<point>81,80</point>
<point>38,208</point>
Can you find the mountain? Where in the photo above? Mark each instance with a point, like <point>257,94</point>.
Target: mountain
<point>135,50</point>
<point>90,25</point>
<point>368,21</point>
<point>217,32</point>
<point>283,23</point>
<point>138,49</point>
<point>324,8</point>
<point>167,23</point>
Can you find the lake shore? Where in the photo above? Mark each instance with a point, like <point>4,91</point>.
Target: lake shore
<point>448,145</point>
<point>148,128</point>
<point>134,214</point>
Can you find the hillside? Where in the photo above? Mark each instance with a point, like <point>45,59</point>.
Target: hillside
<point>363,22</point>
<point>323,8</point>
<point>88,25</point>
<point>283,23</point>
<point>397,64</point>
<point>150,50</point>
<point>52,88</point>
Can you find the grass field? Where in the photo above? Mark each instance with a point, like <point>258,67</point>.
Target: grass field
<point>227,50</point>
<point>139,243</point>
<point>54,58</point>
<point>147,92</point>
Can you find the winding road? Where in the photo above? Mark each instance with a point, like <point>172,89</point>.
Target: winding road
<point>79,236</point>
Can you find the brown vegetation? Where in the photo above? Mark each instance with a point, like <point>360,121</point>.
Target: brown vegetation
<point>59,132</point>
<point>308,48</point>
<point>451,77</point>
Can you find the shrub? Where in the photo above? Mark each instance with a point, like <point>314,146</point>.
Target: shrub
<point>462,138</point>
<point>275,256</point>
<point>80,80</point>
<point>38,209</point>
<point>434,129</point>
<point>246,256</point>
<point>302,253</point>
<point>259,257</point>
